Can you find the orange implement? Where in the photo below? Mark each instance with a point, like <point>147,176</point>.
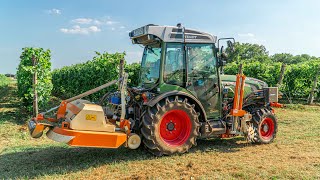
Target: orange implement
<point>40,117</point>
<point>243,80</point>
<point>238,96</point>
<point>62,110</point>
<point>88,138</point>
<point>275,104</point>
<point>36,129</point>
<point>236,92</point>
<point>236,112</point>
<point>125,124</point>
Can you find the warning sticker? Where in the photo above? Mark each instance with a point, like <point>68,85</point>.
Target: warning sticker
<point>91,117</point>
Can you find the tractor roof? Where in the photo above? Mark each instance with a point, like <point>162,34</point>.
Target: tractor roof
<point>151,34</point>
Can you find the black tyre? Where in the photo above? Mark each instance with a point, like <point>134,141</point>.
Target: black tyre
<point>263,128</point>
<point>171,126</point>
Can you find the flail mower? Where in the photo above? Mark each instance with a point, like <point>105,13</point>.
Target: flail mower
<point>182,96</point>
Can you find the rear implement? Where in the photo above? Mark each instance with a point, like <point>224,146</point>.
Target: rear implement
<point>81,123</point>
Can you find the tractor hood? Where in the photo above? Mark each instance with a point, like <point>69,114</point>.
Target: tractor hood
<point>252,84</point>
<point>255,83</point>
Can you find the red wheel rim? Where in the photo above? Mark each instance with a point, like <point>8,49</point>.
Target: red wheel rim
<point>175,127</point>
<point>267,128</point>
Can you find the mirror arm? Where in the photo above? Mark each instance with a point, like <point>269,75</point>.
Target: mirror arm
<point>234,41</point>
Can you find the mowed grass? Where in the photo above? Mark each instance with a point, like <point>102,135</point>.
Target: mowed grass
<point>295,154</point>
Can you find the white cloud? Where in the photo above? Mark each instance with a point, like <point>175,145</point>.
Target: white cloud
<point>82,21</point>
<point>97,22</point>
<point>110,22</point>
<point>94,21</point>
<point>257,41</point>
<point>91,25</point>
<point>80,30</point>
<point>246,35</point>
<point>54,11</point>
<point>251,38</point>
<point>94,29</point>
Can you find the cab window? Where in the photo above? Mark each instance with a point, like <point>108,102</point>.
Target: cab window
<point>174,67</point>
<point>150,66</point>
<point>200,59</point>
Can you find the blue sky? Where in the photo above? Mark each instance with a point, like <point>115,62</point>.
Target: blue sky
<point>74,29</point>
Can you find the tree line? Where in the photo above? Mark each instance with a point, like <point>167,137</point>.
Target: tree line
<point>299,81</point>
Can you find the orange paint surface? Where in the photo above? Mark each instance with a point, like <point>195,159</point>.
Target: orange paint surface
<point>93,139</point>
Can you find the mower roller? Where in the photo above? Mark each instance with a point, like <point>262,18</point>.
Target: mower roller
<point>182,96</point>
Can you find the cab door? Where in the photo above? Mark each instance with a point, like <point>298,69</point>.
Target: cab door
<point>202,78</point>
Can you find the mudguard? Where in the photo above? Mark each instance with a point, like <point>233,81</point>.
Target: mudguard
<point>191,98</point>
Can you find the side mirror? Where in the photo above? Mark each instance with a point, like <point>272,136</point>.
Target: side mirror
<point>230,45</point>
<point>222,49</point>
<point>222,63</point>
<point>230,42</point>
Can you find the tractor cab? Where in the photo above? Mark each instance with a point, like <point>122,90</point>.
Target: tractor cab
<point>176,58</point>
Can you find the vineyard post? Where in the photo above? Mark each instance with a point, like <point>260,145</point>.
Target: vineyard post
<point>311,95</point>
<point>283,68</point>
<point>35,81</point>
<point>121,69</point>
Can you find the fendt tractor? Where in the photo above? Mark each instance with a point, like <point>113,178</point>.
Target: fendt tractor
<point>182,97</point>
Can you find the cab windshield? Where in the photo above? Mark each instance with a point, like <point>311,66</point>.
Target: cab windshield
<point>150,66</point>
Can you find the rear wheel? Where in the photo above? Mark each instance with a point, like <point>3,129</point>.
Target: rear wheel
<point>171,126</point>
<point>263,128</point>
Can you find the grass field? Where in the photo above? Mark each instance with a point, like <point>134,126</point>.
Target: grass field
<point>295,154</point>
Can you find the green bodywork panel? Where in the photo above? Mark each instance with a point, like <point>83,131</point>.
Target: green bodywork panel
<point>212,113</point>
<point>227,81</point>
<point>251,84</point>
<point>168,87</point>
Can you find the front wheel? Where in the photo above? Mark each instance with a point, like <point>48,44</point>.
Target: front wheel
<point>263,128</point>
<point>170,127</point>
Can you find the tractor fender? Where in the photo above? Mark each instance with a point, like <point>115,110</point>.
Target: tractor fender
<point>191,99</point>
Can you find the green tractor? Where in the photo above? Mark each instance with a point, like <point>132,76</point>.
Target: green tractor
<point>182,97</point>
<point>187,98</point>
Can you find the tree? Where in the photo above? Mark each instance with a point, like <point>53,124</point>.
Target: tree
<point>290,59</point>
<point>25,72</point>
<point>246,52</point>
<point>285,58</point>
<point>134,73</point>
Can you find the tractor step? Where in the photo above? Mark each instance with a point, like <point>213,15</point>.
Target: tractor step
<point>212,128</point>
